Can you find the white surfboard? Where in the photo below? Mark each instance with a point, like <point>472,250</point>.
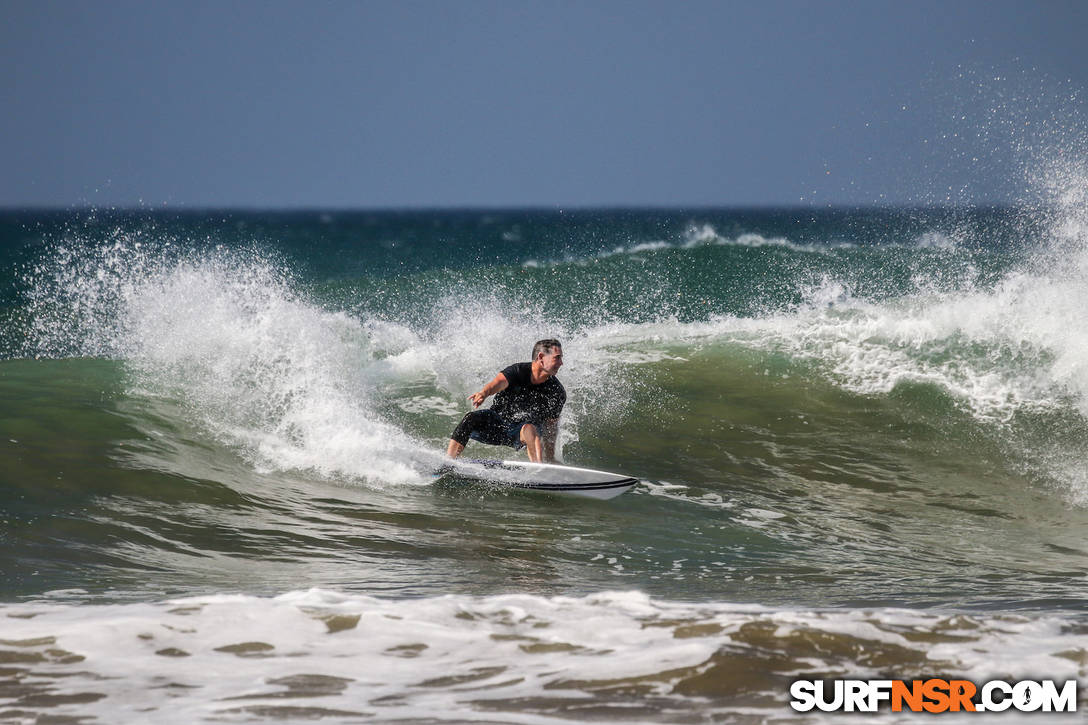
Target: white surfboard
<point>548,477</point>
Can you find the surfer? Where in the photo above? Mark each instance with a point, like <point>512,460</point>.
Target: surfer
<point>525,413</point>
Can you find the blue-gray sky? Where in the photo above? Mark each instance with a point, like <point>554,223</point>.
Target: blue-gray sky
<point>475,103</point>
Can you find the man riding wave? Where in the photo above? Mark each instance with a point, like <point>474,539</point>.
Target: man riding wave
<point>525,413</point>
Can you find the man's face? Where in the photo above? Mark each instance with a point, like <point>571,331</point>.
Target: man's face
<point>551,361</point>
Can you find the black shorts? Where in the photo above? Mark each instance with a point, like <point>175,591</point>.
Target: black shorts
<point>488,427</point>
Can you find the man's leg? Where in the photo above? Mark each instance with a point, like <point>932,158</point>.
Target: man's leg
<point>463,431</point>
<point>483,425</point>
<point>530,436</point>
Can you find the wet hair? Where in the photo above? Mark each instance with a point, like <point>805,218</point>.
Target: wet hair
<point>545,346</point>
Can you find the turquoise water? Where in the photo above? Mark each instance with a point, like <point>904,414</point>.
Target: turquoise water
<point>860,436</point>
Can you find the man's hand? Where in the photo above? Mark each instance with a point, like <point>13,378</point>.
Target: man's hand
<point>497,384</point>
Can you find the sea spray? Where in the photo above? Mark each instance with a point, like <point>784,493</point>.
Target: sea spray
<point>365,379</point>
<point>227,334</point>
<point>291,383</point>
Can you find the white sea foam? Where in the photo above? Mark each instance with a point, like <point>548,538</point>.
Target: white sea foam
<point>694,237</point>
<point>1018,345</point>
<point>514,658</point>
<point>291,385</point>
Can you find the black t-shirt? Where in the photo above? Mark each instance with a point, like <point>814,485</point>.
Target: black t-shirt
<point>523,402</point>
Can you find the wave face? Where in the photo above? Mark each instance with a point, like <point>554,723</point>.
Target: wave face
<point>860,427</point>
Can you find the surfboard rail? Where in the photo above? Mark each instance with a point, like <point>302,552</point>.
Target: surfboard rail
<point>545,477</point>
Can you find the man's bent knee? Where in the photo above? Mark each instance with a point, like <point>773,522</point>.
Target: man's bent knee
<point>471,422</point>
<point>529,432</point>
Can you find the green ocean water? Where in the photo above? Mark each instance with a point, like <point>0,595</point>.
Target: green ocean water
<point>860,428</point>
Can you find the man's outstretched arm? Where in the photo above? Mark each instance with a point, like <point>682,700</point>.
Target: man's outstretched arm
<point>497,384</point>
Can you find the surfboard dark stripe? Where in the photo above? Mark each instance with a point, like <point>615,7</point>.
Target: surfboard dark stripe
<point>579,486</point>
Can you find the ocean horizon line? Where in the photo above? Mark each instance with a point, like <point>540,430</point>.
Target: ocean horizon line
<point>498,208</point>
